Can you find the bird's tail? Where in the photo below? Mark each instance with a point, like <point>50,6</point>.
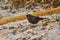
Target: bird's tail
<point>43,18</point>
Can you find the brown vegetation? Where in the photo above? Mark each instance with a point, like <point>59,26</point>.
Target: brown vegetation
<point>22,17</point>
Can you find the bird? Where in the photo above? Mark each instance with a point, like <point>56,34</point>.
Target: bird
<point>34,19</point>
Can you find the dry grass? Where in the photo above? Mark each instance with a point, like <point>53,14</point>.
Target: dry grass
<point>22,17</point>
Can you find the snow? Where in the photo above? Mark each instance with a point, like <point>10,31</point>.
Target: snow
<point>23,30</point>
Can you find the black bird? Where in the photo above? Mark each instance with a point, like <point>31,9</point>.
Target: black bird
<point>34,19</point>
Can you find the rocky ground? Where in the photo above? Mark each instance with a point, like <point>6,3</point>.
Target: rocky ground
<point>21,30</point>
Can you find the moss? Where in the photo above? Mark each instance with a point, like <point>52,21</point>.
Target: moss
<point>11,27</point>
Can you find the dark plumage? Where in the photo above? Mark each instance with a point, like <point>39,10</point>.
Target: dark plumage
<point>34,19</point>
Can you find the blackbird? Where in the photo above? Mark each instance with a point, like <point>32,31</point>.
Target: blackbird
<point>34,19</point>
